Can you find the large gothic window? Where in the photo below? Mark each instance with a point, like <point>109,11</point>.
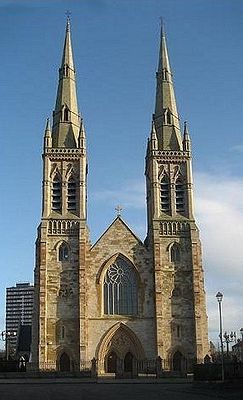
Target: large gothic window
<point>56,194</point>
<point>179,195</point>
<point>120,289</point>
<point>71,194</point>
<point>165,194</point>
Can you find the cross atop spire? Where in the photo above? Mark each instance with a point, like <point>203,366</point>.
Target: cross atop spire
<point>68,13</point>
<point>67,58</point>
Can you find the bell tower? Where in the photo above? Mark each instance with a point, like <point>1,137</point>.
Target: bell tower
<point>62,241</point>
<point>172,236</point>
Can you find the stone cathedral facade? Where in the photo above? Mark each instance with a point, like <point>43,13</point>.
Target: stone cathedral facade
<point>121,300</point>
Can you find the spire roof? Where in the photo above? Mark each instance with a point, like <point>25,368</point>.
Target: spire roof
<point>166,116</point>
<point>48,125</point>
<point>164,63</point>
<point>67,57</point>
<point>66,120</point>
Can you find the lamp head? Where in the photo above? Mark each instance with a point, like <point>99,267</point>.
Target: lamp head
<point>219,297</point>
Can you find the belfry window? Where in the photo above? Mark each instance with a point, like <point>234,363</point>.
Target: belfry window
<point>71,195</point>
<point>165,194</point>
<point>63,253</point>
<point>179,195</point>
<point>56,194</point>
<point>120,289</point>
<point>175,253</point>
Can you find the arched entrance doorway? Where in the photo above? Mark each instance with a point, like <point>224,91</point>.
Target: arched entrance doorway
<point>128,362</point>
<point>64,363</point>
<point>178,361</point>
<point>119,350</point>
<point>111,362</point>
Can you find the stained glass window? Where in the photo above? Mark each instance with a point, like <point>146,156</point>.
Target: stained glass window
<point>120,289</point>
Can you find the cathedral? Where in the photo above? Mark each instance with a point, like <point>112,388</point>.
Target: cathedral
<point>121,300</point>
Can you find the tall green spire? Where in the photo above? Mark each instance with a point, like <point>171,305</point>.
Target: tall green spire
<point>166,117</point>
<point>66,120</point>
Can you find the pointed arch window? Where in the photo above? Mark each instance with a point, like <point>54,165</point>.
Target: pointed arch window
<point>120,289</point>
<point>66,114</point>
<point>165,194</point>
<point>63,253</point>
<point>179,195</point>
<point>56,203</point>
<point>63,332</point>
<point>167,117</point>
<point>164,74</point>
<point>175,255</point>
<point>71,195</point>
<point>65,70</point>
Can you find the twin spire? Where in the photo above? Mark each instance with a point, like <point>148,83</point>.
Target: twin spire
<point>68,129</point>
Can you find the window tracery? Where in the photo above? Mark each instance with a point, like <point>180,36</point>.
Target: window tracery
<point>120,289</point>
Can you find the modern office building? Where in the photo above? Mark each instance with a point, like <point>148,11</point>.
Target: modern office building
<point>19,308</point>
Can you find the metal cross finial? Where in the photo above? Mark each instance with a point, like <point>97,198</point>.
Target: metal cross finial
<point>118,210</point>
<point>68,13</point>
<point>162,26</point>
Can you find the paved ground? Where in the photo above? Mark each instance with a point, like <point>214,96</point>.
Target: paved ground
<point>113,390</point>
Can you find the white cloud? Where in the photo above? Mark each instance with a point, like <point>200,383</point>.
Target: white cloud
<point>129,195</point>
<point>219,213</point>
<point>238,148</point>
<point>219,206</point>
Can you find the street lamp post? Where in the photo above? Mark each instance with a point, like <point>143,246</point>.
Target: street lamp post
<point>219,297</point>
<point>229,338</point>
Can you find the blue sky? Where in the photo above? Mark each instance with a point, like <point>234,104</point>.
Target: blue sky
<point>116,51</point>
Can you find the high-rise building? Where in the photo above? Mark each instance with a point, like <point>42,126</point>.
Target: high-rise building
<point>19,309</point>
<point>119,300</point>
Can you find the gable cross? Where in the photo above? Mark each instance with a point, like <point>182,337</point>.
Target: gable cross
<point>118,210</point>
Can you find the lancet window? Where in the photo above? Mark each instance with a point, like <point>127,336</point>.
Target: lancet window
<point>179,195</point>
<point>165,194</point>
<point>56,203</point>
<point>120,289</point>
<point>63,253</point>
<point>175,253</point>
<point>167,117</point>
<point>66,114</point>
<point>71,195</point>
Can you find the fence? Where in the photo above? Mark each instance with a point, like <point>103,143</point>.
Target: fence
<point>213,371</point>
